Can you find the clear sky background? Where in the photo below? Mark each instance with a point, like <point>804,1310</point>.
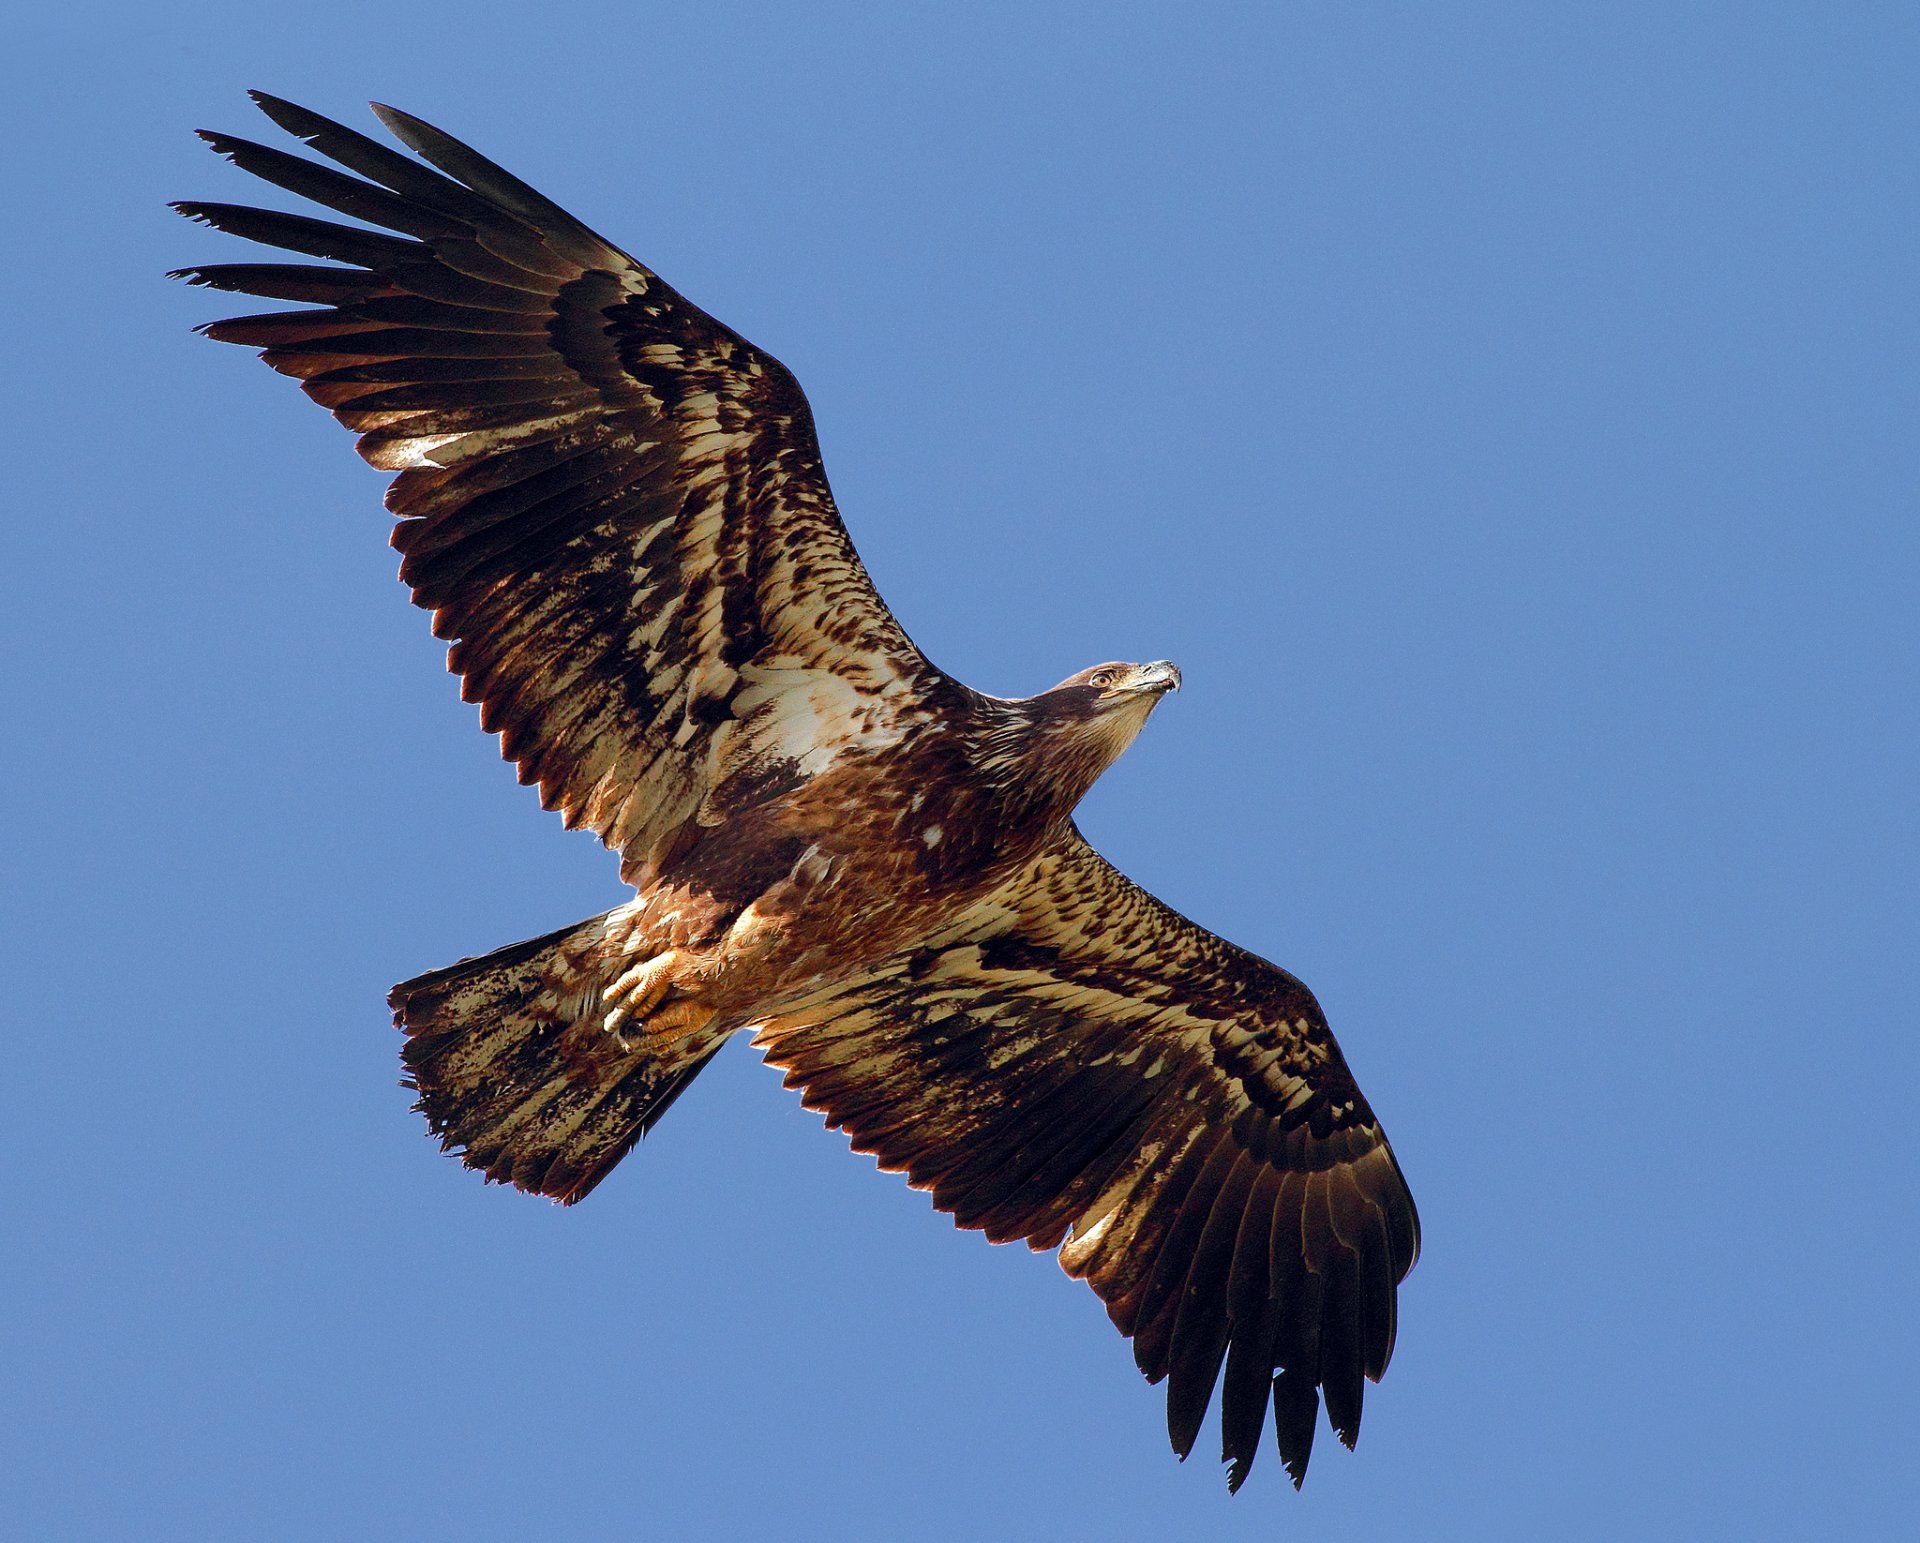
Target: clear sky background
<point>1504,413</point>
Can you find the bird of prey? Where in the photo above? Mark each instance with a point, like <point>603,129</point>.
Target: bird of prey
<point>615,509</point>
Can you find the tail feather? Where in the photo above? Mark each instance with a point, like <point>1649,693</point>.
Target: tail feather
<point>514,1070</point>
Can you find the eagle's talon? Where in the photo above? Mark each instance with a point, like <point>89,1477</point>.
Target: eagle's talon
<point>638,998</point>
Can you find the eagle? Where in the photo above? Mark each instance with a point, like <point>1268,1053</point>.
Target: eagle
<point>615,509</point>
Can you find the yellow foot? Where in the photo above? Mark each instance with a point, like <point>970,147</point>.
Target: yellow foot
<point>637,1004</point>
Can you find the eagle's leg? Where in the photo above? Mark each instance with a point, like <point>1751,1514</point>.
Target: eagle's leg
<point>658,998</point>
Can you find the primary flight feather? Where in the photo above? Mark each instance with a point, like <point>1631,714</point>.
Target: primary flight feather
<point>615,509</point>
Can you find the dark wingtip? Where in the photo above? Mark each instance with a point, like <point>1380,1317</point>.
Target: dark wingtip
<point>300,122</point>
<point>1296,1411</point>
<point>221,142</point>
<point>280,110</point>
<point>226,146</point>
<point>201,211</point>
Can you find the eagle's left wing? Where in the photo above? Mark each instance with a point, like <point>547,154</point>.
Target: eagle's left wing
<point>1076,1064</point>
<point>613,504</point>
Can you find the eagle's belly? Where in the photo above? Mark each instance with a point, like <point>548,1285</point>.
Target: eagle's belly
<point>830,878</point>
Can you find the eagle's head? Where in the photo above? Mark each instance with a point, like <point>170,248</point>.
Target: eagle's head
<point>1108,687</point>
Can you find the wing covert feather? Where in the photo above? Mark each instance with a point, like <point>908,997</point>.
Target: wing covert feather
<point>1078,1065</point>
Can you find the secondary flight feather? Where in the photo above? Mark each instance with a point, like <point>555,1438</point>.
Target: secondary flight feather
<point>615,509</point>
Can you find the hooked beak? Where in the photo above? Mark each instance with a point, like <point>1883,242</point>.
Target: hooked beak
<point>1162,675</point>
<point>1157,679</point>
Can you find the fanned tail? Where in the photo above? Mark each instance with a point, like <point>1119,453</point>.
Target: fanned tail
<point>515,1070</point>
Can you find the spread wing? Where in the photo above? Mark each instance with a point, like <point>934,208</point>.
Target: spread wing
<point>613,505</point>
<point>1075,1064</point>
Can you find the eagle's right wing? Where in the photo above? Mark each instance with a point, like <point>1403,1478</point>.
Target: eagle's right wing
<point>1073,1063</point>
<point>613,504</point>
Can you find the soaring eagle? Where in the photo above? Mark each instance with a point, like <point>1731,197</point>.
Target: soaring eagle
<point>615,509</point>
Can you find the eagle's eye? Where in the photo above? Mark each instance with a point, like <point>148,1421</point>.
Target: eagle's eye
<point>1103,677</point>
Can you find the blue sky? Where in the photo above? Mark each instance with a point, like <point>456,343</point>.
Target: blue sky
<point>1505,416</point>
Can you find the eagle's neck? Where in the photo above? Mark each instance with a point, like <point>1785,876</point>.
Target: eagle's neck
<point>1041,761</point>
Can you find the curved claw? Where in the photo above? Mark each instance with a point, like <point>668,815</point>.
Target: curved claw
<point>638,997</point>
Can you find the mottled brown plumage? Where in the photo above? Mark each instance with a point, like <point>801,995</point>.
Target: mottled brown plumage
<point>614,507</point>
